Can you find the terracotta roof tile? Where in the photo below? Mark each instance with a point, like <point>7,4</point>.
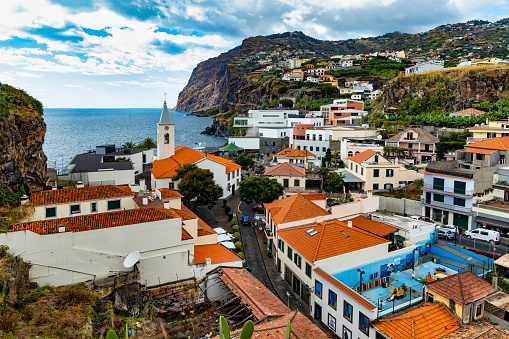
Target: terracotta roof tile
<point>422,136</point>
<point>168,193</point>
<point>262,302</point>
<point>97,221</point>
<point>294,208</point>
<point>429,321</point>
<point>500,143</point>
<point>463,288</point>
<point>286,150</point>
<point>359,158</point>
<point>314,196</point>
<point>300,153</point>
<point>167,168</point>
<point>479,150</point>
<point>216,252</point>
<point>372,226</point>
<point>503,261</point>
<point>67,195</point>
<point>333,238</point>
<point>285,169</point>
<point>359,298</point>
<point>479,330</point>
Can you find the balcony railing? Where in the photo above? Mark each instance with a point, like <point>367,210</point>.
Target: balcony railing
<point>449,190</point>
<point>446,206</point>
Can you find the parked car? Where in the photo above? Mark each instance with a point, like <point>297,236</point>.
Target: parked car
<point>483,234</point>
<point>446,234</point>
<point>246,221</point>
<point>258,208</point>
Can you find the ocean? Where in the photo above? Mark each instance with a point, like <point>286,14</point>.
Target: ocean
<point>72,131</point>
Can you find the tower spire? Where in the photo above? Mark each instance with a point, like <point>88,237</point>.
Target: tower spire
<point>165,114</point>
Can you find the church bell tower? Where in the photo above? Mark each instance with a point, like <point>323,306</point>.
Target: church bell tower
<point>165,135</point>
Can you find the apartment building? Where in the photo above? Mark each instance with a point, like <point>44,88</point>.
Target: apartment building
<point>339,105</point>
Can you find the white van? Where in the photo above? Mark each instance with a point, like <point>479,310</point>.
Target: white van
<point>483,234</point>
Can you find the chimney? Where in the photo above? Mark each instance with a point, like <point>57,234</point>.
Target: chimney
<point>145,201</point>
<point>79,184</point>
<point>166,204</point>
<point>208,261</point>
<point>61,228</point>
<point>494,282</point>
<point>24,199</point>
<point>142,185</point>
<point>350,223</point>
<point>54,188</point>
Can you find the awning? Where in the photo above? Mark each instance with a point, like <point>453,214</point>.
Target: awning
<point>399,238</point>
<point>349,177</point>
<point>231,147</point>
<point>220,230</point>
<point>224,237</point>
<point>228,245</point>
<point>479,150</point>
<point>492,222</point>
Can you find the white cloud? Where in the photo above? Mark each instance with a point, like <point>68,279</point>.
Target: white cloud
<point>76,86</point>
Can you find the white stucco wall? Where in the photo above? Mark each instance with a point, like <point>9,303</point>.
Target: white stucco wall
<point>245,142</point>
<point>108,176</point>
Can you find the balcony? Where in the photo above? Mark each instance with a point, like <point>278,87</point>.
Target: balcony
<point>445,206</point>
<point>449,190</point>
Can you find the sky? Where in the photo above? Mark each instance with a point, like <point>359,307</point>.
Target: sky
<point>122,53</point>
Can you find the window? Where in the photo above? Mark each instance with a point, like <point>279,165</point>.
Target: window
<point>333,299</point>
<point>320,137</point>
<point>318,312</point>
<point>290,253</point>
<point>324,149</point>
<point>308,270</point>
<point>459,202</point>
<point>363,324</point>
<point>478,310</point>
<point>389,172</point>
<point>347,311</point>
<point>375,186</point>
<point>228,177</point>
<point>113,205</point>
<point>270,143</point>
<point>438,184</point>
<point>51,212</point>
<point>356,168</point>
<point>429,297</point>
<point>318,289</point>
<point>331,322</point>
<point>310,148</point>
<point>233,174</point>
<point>347,334</point>
<point>388,186</point>
<point>296,182</point>
<point>297,259</point>
<point>438,197</point>
<point>166,138</point>
<point>171,185</point>
<point>376,173</point>
<point>281,245</point>
<point>93,207</point>
<point>351,166</point>
<point>479,157</point>
<point>75,209</point>
<point>460,187</point>
<point>362,170</point>
<point>376,158</point>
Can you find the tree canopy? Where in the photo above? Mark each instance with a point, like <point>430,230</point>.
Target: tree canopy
<point>260,190</point>
<point>147,143</point>
<point>183,170</point>
<point>198,186</point>
<point>244,161</point>
<point>333,182</point>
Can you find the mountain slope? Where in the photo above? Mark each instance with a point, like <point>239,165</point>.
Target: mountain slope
<point>214,82</point>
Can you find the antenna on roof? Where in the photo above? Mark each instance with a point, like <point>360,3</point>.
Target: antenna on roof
<point>165,96</point>
<point>131,259</point>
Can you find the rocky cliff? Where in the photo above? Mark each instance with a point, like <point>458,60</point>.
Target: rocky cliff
<point>22,130</point>
<point>459,88</point>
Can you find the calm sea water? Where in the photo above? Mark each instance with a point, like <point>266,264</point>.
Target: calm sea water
<point>73,131</point>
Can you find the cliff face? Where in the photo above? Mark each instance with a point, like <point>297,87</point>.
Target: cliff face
<point>22,130</point>
<point>461,87</point>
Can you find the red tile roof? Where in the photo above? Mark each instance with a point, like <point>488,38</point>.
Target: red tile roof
<point>479,150</point>
<point>67,195</point>
<point>372,226</point>
<point>216,252</point>
<point>463,288</point>
<point>294,208</point>
<point>186,214</point>
<point>314,196</point>
<point>168,193</point>
<point>285,169</point>
<point>300,153</point>
<point>167,168</point>
<point>359,158</point>
<point>430,321</point>
<point>100,220</point>
<point>500,143</point>
<point>286,150</point>
<point>359,298</point>
<point>333,238</point>
<point>253,293</point>
<point>469,111</point>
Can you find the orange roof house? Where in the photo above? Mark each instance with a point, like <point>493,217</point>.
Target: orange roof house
<point>68,195</point>
<point>217,254</point>
<point>430,321</point>
<point>372,226</point>
<point>332,238</point>
<point>500,143</point>
<point>292,209</point>
<point>359,158</point>
<point>285,169</point>
<point>167,168</point>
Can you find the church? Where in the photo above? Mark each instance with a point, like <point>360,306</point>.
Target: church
<point>227,174</point>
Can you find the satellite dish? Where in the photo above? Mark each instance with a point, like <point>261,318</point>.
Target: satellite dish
<point>131,259</point>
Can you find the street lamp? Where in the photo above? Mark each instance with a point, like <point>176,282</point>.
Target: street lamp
<point>360,282</point>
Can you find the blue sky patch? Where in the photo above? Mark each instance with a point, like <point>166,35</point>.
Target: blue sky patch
<point>58,34</point>
<point>95,32</point>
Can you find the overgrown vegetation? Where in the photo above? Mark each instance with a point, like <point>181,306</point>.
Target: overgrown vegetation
<point>377,66</point>
<point>10,210</point>
<point>413,192</point>
<point>13,100</point>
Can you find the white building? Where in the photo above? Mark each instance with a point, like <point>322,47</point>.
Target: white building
<point>423,67</point>
<point>315,140</point>
<point>257,119</point>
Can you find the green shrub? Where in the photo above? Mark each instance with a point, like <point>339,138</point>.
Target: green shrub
<point>240,254</point>
<point>238,244</point>
<point>234,221</point>
<point>235,227</point>
<point>236,235</point>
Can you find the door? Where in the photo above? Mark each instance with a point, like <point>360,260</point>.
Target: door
<point>279,265</point>
<point>296,284</point>
<point>233,189</point>
<point>285,183</point>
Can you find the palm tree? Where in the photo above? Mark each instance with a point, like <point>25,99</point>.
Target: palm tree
<point>147,143</point>
<point>129,144</point>
<point>336,158</point>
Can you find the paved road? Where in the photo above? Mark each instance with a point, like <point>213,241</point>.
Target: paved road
<point>499,249</point>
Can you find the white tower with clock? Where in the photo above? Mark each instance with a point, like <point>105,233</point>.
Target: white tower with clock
<point>165,135</point>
